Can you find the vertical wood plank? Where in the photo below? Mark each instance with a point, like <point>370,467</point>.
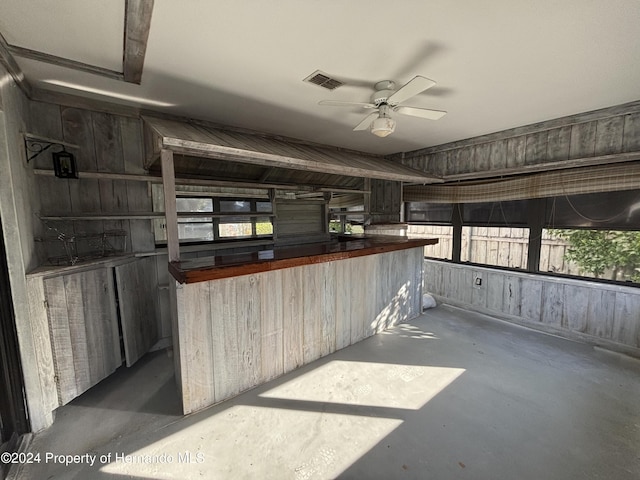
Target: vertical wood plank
<point>498,156</point>
<point>631,139</point>
<point>600,314</point>
<point>583,140</point>
<point>138,199</point>
<point>84,194</point>
<point>553,303</point>
<point>626,321</point>
<point>224,332</point>
<point>77,329</point>
<point>48,398</point>
<point>536,148</point>
<point>455,161</point>
<point>311,315</point>
<point>248,322</point>
<point>358,309</point>
<point>576,306</point>
<point>558,144</point>
<point>482,157</point>
<point>531,300</point>
<point>61,339</point>
<point>495,291</point>
<point>511,296</point>
<point>271,328</point>
<point>328,320</point>
<point>139,311</point>
<point>196,339</point>
<point>516,151</point>
<point>609,135</point>
<point>292,286</point>
<point>343,311</point>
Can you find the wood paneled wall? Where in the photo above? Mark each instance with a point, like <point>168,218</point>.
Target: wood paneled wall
<point>385,201</point>
<point>239,332</point>
<point>607,315</point>
<point>106,143</point>
<point>609,131</point>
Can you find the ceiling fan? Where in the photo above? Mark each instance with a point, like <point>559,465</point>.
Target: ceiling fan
<point>386,99</point>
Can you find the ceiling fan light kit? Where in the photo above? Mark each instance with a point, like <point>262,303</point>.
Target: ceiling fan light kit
<point>384,124</point>
<point>385,99</point>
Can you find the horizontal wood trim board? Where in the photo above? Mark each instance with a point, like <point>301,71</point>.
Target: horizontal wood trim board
<point>543,167</point>
<point>149,215</point>
<point>198,182</point>
<point>64,62</point>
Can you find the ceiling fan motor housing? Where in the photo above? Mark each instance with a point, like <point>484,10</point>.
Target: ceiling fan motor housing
<point>383,91</point>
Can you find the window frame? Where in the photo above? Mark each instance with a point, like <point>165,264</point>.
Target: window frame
<point>253,216</point>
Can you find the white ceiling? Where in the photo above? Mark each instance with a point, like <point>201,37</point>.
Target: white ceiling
<point>497,63</point>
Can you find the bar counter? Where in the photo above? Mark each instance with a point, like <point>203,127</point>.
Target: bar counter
<point>225,266</point>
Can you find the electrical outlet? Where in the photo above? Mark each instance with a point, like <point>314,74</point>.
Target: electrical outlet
<point>477,280</point>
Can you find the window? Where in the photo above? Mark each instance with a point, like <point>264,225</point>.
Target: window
<point>497,246</point>
<point>443,233</point>
<point>348,220</point>
<point>604,254</point>
<point>229,219</point>
<point>195,228</point>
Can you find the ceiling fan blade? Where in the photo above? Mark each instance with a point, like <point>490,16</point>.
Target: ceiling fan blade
<point>420,112</point>
<point>332,103</point>
<point>364,124</point>
<point>413,87</point>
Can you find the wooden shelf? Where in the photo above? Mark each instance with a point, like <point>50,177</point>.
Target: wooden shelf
<point>148,215</point>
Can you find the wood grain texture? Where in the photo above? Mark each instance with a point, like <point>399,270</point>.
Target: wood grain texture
<point>225,339</point>
<point>196,347</point>
<point>262,326</point>
<point>607,315</point>
<point>139,309</point>
<point>248,321</point>
<point>271,326</point>
<point>84,330</point>
<point>136,34</point>
<point>207,142</point>
<point>293,287</point>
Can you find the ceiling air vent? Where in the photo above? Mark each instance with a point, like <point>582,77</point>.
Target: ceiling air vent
<point>323,80</point>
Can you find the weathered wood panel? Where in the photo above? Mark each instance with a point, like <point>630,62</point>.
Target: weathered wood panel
<point>607,315</point>
<point>248,321</point>
<point>139,310</point>
<point>548,144</point>
<point>225,339</point>
<point>258,327</point>
<point>293,290</point>
<point>61,340</point>
<point>343,311</point>
<point>82,313</point>
<point>196,345</point>
<point>271,326</point>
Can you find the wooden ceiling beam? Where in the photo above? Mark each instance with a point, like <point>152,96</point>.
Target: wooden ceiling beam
<point>137,23</point>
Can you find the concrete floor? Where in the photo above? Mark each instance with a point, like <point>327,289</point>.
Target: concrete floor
<point>449,395</point>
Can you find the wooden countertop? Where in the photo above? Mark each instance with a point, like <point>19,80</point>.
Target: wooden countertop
<point>224,266</point>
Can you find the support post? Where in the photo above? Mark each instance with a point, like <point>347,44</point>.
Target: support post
<point>536,213</point>
<point>171,213</point>
<point>457,232</point>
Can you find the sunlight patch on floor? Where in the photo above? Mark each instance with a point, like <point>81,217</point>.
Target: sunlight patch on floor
<point>368,383</point>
